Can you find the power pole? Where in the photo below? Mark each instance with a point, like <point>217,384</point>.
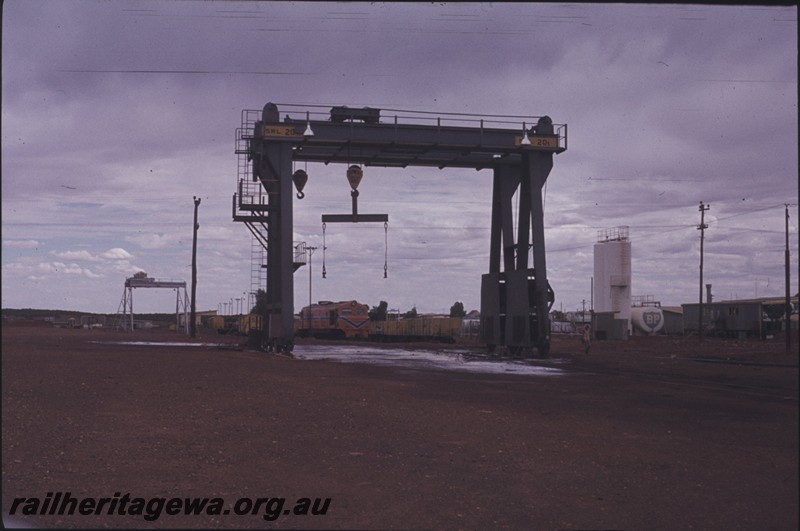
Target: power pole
<point>702,228</point>
<point>788,310</point>
<point>193,324</point>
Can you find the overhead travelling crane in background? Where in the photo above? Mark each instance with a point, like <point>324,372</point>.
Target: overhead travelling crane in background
<point>515,295</point>
<point>140,279</point>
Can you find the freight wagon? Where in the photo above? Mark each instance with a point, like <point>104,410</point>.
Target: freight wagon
<point>335,320</point>
<point>350,320</point>
<point>250,322</point>
<point>223,324</point>
<point>235,324</point>
<point>425,328</point>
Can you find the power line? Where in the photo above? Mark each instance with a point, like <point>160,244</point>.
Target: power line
<point>717,220</point>
<point>745,229</point>
<point>188,72</point>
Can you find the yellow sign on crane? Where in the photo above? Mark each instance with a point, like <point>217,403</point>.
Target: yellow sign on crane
<point>539,141</point>
<point>280,131</point>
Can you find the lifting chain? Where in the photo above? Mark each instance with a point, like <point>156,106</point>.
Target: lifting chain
<point>324,272</point>
<point>385,248</point>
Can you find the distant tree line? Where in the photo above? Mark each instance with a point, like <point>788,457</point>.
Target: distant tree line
<point>379,312</point>
<point>32,313</point>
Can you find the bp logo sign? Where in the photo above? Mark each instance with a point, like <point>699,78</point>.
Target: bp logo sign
<point>651,320</point>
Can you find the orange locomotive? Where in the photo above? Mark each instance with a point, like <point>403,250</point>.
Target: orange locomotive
<point>340,320</point>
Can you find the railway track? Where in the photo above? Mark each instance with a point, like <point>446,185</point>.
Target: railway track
<point>783,389</point>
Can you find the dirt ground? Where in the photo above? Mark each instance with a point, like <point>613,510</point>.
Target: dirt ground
<point>650,433</point>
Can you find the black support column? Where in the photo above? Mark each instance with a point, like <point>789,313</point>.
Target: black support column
<point>537,166</point>
<point>272,165</point>
<point>515,297</point>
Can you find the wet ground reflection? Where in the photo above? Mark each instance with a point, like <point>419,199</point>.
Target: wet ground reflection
<point>452,360</point>
<point>448,360</point>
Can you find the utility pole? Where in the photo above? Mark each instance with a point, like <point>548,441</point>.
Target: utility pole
<point>192,323</point>
<point>788,310</point>
<point>702,228</point>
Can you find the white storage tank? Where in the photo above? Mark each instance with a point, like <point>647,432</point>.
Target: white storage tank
<point>612,272</point>
<point>647,319</point>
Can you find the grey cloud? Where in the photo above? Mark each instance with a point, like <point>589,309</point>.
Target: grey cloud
<point>116,114</point>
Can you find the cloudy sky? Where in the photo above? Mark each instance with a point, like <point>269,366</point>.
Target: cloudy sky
<point>116,114</point>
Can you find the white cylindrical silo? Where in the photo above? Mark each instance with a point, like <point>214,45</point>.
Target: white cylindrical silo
<point>612,273</point>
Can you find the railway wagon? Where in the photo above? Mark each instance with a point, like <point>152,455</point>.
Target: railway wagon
<point>336,320</point>
<point>223,324</point>
<point>251,322</point>
<point>424,328</point>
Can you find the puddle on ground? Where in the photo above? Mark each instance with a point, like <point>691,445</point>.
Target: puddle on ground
<point>162,344</point>
<point>421,359</point>
<point>449,360</point>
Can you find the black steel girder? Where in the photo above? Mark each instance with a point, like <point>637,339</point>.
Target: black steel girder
<point>403,144</point>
